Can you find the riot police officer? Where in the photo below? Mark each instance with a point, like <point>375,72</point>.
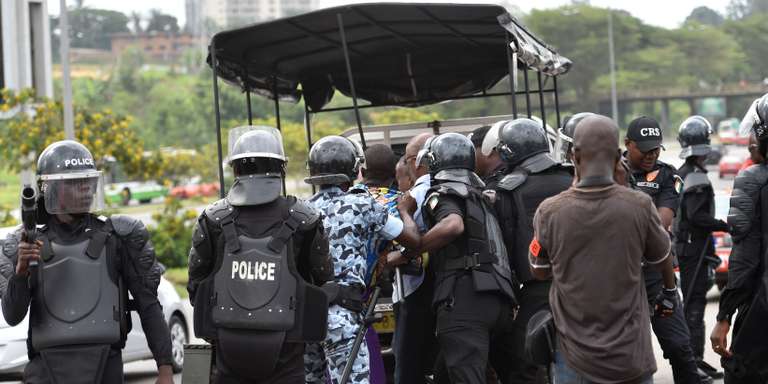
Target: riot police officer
<point>747,290</point>
<point>353,218</point>
<point>694,225</point>
<point>255,261</point>
<point>473,292</point>
<point>75,278</point>
<point>564,153</point>
<point>534,176</point>
<point>660,181</point>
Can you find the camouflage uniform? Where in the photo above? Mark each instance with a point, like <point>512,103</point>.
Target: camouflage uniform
<point>351,221</point>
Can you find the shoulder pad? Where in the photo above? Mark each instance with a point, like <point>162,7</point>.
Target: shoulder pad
<point>305,213</point>
<point>125,225</point>
<point>218,210</point>
<point>513,180</point>
<point>696,180</point>
<point>11,243</point>
<point>453,188</point>
<point>746,190</point>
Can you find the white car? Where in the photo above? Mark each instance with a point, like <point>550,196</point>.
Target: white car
<point>13,340</point>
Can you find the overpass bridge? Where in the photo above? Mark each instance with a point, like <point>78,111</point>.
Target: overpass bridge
<point>737,98</point>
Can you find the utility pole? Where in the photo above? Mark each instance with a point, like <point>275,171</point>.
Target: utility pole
<point>612,63</point>
<point>69,120</point>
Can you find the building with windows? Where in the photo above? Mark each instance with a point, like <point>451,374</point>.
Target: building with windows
<point>25,46</point>
<point>163,47</point>
<point>235,13</point>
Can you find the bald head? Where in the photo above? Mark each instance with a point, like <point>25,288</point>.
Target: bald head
<point>411,150</point>
<point>379,165</point>
<point>596,146</point>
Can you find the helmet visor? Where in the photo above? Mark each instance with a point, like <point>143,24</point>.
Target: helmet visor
<point>491,140</point>
<point>751,118</point>
<point>422,157</point>
<point>267,146</point>
<point>69,194</point>
<point>562,146</point>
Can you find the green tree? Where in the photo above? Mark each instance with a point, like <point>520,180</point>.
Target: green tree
<point>91,28</point>
<point>580,32</point>
<point>172,233</point>
<point>162,22</point>
<point>705,15</point>
<point>710,55</point>
<point>106,134</point>
<point>752,35</point>
<point>739,9</point>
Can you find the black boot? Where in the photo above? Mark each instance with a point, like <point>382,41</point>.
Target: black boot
<point>710,370</point>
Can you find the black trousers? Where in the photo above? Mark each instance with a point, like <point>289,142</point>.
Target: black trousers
<point>465,326</point>
<point>289,369</point>
<point>672,333</point>
<point>508,351</point>
<point>414,343</point>
<point>36,372</point>
<point>698,285</point>
<point>750,378</point>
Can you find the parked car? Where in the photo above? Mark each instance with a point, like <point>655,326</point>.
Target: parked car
<point>728,131</point>
<point>13,340</point>
<point>194,188</point>
<point>141,191</point>
<point>730,165</point>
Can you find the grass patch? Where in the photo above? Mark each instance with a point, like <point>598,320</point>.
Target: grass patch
<point>178,277</point>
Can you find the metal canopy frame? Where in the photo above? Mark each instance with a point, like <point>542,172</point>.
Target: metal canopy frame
<point>511,56</point>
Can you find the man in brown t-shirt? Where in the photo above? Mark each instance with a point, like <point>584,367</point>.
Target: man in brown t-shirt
<point>592,240</point>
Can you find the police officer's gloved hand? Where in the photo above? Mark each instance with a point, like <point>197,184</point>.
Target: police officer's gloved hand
<point>666,302</point>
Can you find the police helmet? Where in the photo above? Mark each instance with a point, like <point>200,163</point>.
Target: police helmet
<point>333,160</point>
<point>693,136</point>
<point>521,139</point>
<point>68,179</point>
<point>761,118</point>
<point>450,157</point>
<point>565,134</point>
<point>258,161</point>
<point>450,151</point>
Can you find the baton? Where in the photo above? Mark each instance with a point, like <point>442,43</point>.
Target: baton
<point>689,291</point>
<point>367,320</point>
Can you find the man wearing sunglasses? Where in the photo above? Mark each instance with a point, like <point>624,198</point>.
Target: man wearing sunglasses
<point>660,181</point>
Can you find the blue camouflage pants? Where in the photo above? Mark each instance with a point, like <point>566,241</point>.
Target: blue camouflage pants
<point>327,359</point>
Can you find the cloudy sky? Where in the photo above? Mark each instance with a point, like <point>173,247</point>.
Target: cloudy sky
<point>664,13</point>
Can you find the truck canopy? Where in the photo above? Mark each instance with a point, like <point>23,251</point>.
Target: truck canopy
<point>400,54</point>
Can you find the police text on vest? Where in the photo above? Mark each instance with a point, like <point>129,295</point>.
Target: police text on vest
<point>256,270</point>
